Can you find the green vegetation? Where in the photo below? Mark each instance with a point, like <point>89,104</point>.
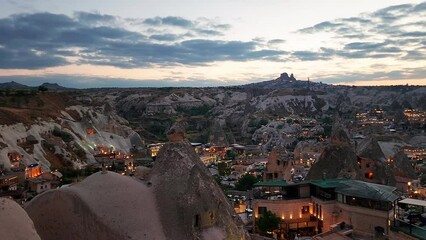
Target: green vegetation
<point>223,169</point>
<point>43,88</point>
<point>257,123</point>
<point>194,111</point>
<point>71,175</point>
<point>246,182</point>
<point>79,151</point>
<point>224,187</point>
<point>159,131</point>
<point>327,125</point>
<point>66,137</point>
<point>230,155</point>
<point>16,98</point>
<point>268,222</point>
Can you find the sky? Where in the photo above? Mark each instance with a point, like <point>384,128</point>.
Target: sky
<point>196,43</point>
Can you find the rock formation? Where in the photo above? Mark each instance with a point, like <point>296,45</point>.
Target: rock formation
<point>103,206</point>
<point>180,200</point>
<point>217,134</point>
<point>285,77</point>
<point>402,166</point>
<point>192,204</point>
<point>15,223</point>
<point>177,132</point>
<point>388,158</point>
<point>339,136</point>
<point>279,165</point>
<point>338,160</point>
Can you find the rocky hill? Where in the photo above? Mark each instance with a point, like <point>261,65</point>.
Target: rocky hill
<point>338,160</point>
<point>193,205</point>
<point>15,222</point>
<point>13,85</point>
<point>55,131</point>
<point>232,110</point>
<point>220,115</point>
<point>178,200</point>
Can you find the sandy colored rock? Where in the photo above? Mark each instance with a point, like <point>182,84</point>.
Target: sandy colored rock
<point>180,200</point>
<point>339,136</point>
<point>103,206</point>
<point>192,204</point>
<point>15,223</point>
<point>142,172</point>
<point>177,132</point>
<point>335,162</point>
<point>378,148</point>
<point>402,166</point>
<point>338,160</point>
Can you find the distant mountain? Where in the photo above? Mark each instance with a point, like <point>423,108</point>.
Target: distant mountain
<point>17,86</point>
<point>13,85</point>
<point>54,86</point>
<point>286,81</point>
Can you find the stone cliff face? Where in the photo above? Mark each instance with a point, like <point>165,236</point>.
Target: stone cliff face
<point>338,160</point>
<point>178,199</point>
<point>402,166</point>
<point>389,159</point>
<point>335,162</point>
<point>103,206</point>
<point>192,204</point>
<point>15,224</point>
<point>68,139</point>
<point>280,97</point>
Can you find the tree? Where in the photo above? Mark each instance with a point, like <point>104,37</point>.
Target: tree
<point>42,88</point>
<point>230,155</point>
<point>223,169</point>
<point>246,182</point>
<point>327,120</point>
<point>268,222</point>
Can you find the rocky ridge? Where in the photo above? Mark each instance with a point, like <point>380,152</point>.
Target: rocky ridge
<point>338,160</point>
<point>178,199</point>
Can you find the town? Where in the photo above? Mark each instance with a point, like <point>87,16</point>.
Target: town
<point>356,177</point>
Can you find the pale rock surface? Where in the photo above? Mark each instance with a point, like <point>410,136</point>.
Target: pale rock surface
<point>15,223</point>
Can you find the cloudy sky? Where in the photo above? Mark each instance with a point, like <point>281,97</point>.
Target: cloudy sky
<point>135,43</point>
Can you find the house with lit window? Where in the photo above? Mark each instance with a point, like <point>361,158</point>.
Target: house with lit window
<point>32,171</point>
<point>279,165</point>
<point>39,185</point>
<point>8,183</point>
<point>312,207</point>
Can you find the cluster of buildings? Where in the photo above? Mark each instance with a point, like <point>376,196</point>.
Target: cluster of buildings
<point>313,207</point>
<point>375,116</point>
<point>114,159</point>
<point>336,208</point>
<point>415,115</point>
<point>378,116</point>
<point>22,181</point>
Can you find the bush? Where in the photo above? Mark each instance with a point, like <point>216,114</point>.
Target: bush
<point>195,111</point>
<point>223,169</point>
<point>268,222</point>
<point>246,182</point>
<point>42,88</point>
<point>79,151</point>
<point>66,137</point>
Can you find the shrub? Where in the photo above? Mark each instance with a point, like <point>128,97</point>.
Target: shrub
<point>66,137</point>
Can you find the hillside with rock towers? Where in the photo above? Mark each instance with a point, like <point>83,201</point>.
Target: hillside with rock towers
<point>338,160</point>
<point>178,199</point>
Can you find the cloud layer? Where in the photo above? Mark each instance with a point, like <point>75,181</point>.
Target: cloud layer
<point>394,32</point>
<point>40,40</point>
<point>393,37</point>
